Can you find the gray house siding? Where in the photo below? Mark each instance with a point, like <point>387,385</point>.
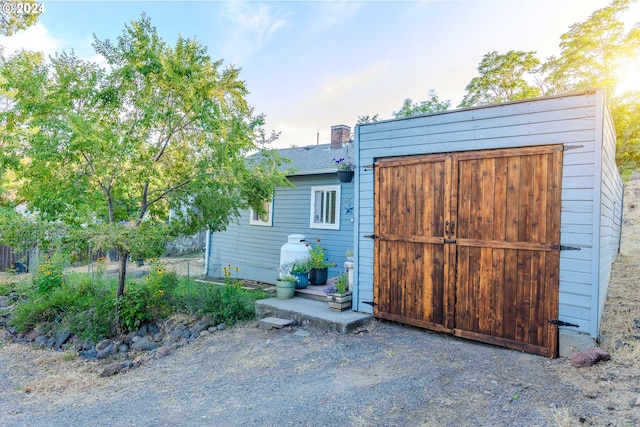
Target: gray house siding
<point>576,121</point>
<point>256,249</point>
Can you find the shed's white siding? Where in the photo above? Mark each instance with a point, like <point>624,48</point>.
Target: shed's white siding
<point>255,250</point>
<point>589,220</point>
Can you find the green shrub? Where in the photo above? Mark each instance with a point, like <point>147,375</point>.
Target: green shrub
<point>85,308</point>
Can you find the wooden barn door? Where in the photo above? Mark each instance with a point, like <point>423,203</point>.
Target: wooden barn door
<point>468,243</point>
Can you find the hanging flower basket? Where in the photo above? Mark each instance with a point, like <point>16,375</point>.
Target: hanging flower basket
<point>345,175</point>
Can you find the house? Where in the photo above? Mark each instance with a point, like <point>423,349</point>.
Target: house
<point>496,223</point>
<point>318,206</point>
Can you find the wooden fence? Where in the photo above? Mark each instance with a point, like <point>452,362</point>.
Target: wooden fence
<point>10,259</point>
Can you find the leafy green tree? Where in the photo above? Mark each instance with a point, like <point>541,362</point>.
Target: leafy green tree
<point>161,129</point>
<point>20,14</point>
<point>592,55</point>
<point>503,77</point>
<point>367,119</point>
<point>593,51</point>
<point>432,104</point>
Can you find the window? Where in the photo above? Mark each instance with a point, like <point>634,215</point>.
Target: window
<point>325,207</point>
<point>265,220</point>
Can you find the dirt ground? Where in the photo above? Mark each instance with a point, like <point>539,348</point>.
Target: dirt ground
<point>384,375</point>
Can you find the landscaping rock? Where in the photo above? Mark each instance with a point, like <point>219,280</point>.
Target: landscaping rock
<point>115,368</point>
<point>4,301</point>
<point>144,329</point>
<point>40,342</point>
<point>89,354</point>
<point>162,352</point>
<point>158,336</point>
<point>144,343</point>
<point>105,351</point>
<point>61,338</point>
<point>589,357</point>
<point>200,326</point>
<point>123,348</point>
<point>222,326</point>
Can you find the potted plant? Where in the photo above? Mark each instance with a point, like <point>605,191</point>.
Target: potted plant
<point>300,268</point>
<point>285,282</point>
<point>319,265</point>
<point>338,295</point>
<point>345,168</point>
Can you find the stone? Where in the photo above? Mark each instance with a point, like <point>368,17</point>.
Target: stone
<point>152,329</point>
<point>636,323</point>
<point>163,352</point>
<point>204,333</point>
<point>105,352</point>
<point>200,326</point>
<point>589,357</point>
<point>89,354</point>
<point>144,344</point>
<point>221,326</point>
<point>129,337</point>
<point>143,330</point>
<point>123,348</point>
<point>158,336</point>
<point>103,345</point>
<point>61,337</point>
<point>115,368</point>
<point>40,342</point>
<point>4,301</point>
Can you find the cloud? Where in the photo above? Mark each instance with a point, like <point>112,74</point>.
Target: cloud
<point>332,14</point>
<point>336,87</point>
<point>250,26</point>
<point>36,38</point>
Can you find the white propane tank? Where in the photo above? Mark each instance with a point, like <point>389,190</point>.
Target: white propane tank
<point>295,248</point>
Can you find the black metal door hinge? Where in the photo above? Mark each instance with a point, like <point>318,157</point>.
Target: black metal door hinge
<point>561,323</point>
<point>565,248</point>
<point>371,303</point>
<point>371,236</point>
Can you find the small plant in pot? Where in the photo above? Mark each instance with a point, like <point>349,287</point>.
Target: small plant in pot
<point>338,295</point>
<point>285,282</point>
<point>300,268</point>
<point>319,264</point>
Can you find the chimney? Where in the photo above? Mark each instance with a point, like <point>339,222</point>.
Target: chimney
<point>340,134</point>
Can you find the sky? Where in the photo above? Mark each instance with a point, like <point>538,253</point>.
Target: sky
<point>310,65</point>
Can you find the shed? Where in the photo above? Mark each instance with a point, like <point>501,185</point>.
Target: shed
<point>317,206</point>
<point>496,223</point>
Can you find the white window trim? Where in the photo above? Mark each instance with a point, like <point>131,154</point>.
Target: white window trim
<point>268,222</point>
<point>326,226</point>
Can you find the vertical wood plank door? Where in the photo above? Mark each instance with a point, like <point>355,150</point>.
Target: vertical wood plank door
<point>411,261</point>
<point>467,243</point>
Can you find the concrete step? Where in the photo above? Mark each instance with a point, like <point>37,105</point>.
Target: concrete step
<point>311,314</point>
<point>272,322</point>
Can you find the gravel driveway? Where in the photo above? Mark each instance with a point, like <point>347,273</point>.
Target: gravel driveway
<point>383,375</point>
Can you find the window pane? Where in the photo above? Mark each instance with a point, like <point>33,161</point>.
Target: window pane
<point>317,211</point>
<point>331,210</point>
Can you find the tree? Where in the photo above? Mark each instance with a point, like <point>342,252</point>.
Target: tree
<point>431,105</point>
<point>367,119</point>
<point>592,52</point>
<point>18,15</point>
<point>503,77</point>
<point>162,128</point>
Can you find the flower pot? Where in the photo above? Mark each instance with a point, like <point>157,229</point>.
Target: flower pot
<point>340,302</point>
<point>303,280</point>
<point>284,289</point>
<point>318,276</point>
<point>345,175</point>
